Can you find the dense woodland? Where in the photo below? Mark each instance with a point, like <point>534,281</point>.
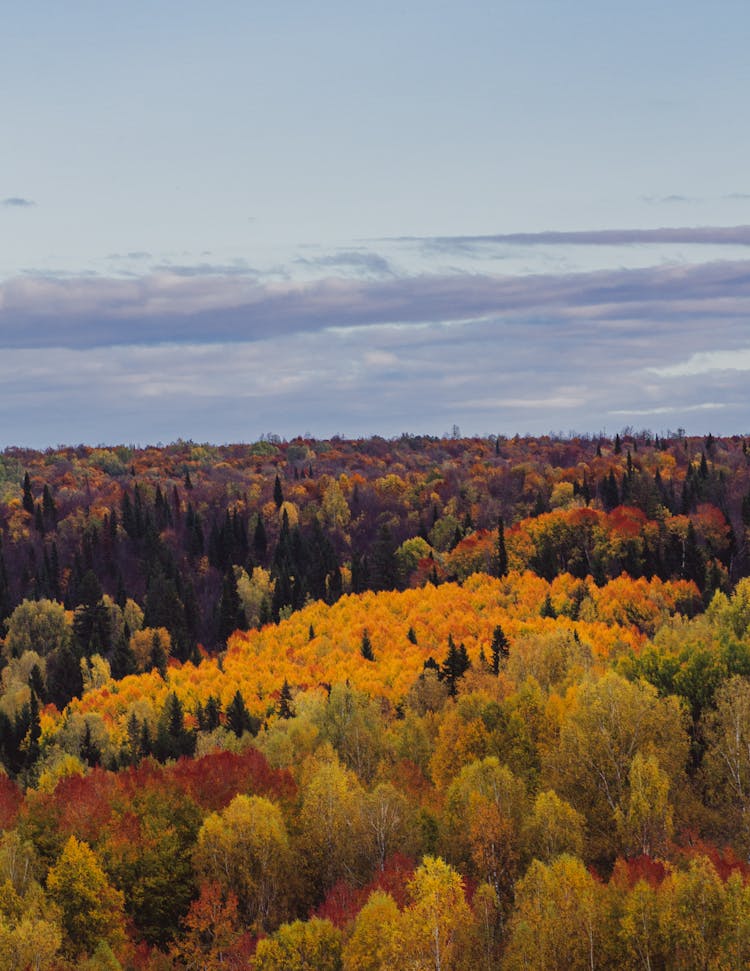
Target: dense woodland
<point>377,704</point>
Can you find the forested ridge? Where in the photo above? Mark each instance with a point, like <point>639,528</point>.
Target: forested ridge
<point>431,703</point>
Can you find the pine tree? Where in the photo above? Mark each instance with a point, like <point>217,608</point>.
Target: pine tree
<point>212,713</point>
<point>231,615</point>
<point>28,495</point>
<point>366,647</point>
<point>500,649</point>
<point>239,719</point>
<point>260,540</point>
<point>158,656</point>
<point>502,555</point>
<point>456,664</point>
<point>48,507</point>
<point>278,493</point>
<point>173,739</point>
<point>547,610</point>
<point>89,751</point>
<point>286,709</point>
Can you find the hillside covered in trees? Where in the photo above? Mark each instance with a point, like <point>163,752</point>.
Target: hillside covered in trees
<point>431,703</point>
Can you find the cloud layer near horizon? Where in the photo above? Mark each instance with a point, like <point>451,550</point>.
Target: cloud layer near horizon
<point>221,353</point>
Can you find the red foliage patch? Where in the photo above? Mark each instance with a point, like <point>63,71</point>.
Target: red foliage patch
<point>627,873</point>
<point>344,901</point>
<point>11,798</point>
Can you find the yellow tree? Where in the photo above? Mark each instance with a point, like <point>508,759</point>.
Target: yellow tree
<point>331,826</point>
<point>554,828</point>
<point>727,759</point>
<point>313,945</point>
<point>640,932</point>
<point>646,826</point>
<point>91,909</point>
<point>556,923</point>
<point>692,912</point>
<point>245,848</point>
<point>434,932</point>
<point>610,722</point>
<point>371,937</point>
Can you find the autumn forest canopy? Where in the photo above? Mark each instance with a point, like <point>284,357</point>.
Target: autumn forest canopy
<point>458,703</point>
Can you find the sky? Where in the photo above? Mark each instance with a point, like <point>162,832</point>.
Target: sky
<point>221,221</point>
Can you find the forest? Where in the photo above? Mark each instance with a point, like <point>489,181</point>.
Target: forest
<point>363,705</point>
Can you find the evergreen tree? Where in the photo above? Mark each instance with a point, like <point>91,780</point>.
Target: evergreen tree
<point>547,610</point>
<point>48,507</point>
<point>454,667</point>
<point>231,615</point>
<point>173,740</point>
<point>383,571</point>
<point>500,649</point>
<point>501,563</point>
<point>278,493</point>
<point>260,540</point>
<point>239,719</point>
<point>365,647</point>
<point>28,496</point>
<point>212,713</point>
<point>122,660</point>
<point>157,656</point>
<point>89,751</point>
<point>286,709</point>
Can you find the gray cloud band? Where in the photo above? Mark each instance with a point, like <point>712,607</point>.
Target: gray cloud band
<point>95,312</point>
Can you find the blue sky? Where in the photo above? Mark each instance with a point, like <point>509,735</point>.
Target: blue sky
<point>222,220</point>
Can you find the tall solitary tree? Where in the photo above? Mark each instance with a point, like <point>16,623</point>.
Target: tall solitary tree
<point>502,555</point>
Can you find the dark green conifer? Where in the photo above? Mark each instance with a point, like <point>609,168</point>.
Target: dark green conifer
<point>286,709</point>
<point>501,556</point>
<point>28,495</point>
<point>365,647</point>
<point>500,649</point>
<point>239,719</point>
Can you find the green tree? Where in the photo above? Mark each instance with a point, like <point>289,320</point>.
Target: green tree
<point>239,719</point>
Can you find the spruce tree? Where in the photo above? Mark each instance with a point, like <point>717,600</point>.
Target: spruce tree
<point>501,562</point>
<point>286,709</point>
<point>28,495</point>
<point>239,719</point>
<point>500,649</point>
<point>365,647</point>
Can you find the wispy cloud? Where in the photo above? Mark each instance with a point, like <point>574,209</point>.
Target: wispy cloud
<point>695,235</point>
<point>357,260</point>
<point>704,362</point>
<point>17,202</point>
<point>667,200</point>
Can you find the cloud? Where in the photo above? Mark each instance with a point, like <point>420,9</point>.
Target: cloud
<point>704,362</point>
<point>360,261</point>
<point>200,306</point>
<point>236,268</point>
<point>697,235</point>
<point>17,202</point>
<point>226,355</point>
<point>667,200</point>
